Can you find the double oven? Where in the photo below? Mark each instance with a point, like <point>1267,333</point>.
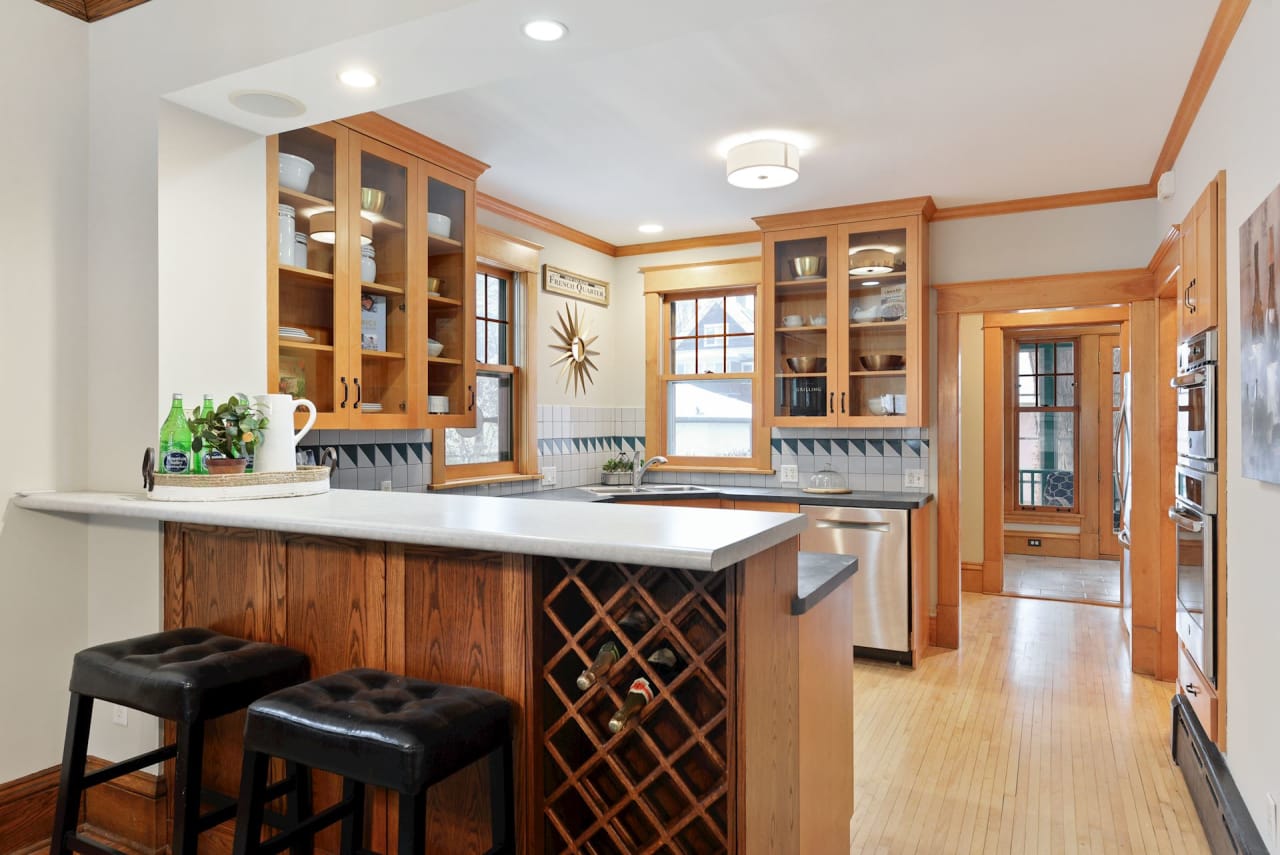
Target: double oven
<point>1195,507</point>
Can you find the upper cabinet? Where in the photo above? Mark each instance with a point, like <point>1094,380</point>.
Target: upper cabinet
<point>846,312</point>
<point>1198,276</point>
<point>371,259</point>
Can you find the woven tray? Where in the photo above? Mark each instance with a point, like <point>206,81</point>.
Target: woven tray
<point>307,481</point>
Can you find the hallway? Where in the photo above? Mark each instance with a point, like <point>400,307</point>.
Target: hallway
<point>1062,578</point>
<point>1034,738</point>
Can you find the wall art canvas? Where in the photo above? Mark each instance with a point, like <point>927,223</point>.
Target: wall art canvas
<point>1260,342</point>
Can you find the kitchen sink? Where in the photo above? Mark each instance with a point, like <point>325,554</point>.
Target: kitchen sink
<point>625,490</point>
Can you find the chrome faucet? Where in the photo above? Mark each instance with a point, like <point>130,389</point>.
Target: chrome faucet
<point>642,466</point>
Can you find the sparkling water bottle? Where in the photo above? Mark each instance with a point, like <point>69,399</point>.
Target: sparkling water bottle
<point>175,441</point>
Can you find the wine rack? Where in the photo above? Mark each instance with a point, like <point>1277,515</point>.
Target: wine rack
<point>664,784</point>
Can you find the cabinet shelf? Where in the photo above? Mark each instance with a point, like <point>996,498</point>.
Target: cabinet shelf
<point>898,276</point>
<point>438,245</point>
<point>900,373</point>
<point>802,284</point>
<point>811,374</point>
<point>314,276</point>
<point>377,288</point>
<point>381,354</point>
<point>443,360</point>
<point>443,301</point>
<point>877,325</point>
<point>801,329</point>
<point>304,203</point>
<point>286,344</point>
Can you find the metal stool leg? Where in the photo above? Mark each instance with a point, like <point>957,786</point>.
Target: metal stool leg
<point>66,817</point>
<point>253,780</point>
<point>412,839</point>
<point>187,775</point>
<point>502,801</point>
<point>353,824</point>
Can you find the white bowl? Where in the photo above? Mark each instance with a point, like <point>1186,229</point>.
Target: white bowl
<point>437,404</point>
<point>434,348</point>
<point>792,320</point>
<point>877,407</point>
<point>817,320</point>
<point>295,172</point>
<point>439,225</point>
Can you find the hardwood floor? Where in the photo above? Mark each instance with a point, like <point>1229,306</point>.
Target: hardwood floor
<point>1035,737</point>
<point>1062,578</point>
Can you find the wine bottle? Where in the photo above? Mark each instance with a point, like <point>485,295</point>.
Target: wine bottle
<point>635,622</point>
<point>638,695</point>
<point>608,654</point>
<point>665,662</point>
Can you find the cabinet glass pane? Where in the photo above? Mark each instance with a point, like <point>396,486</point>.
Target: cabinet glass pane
<point>446,322</point>
<point>383,249</point>
<point>800,327</point>
<point>876,275</point>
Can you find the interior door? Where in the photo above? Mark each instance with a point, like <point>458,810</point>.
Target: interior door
<point>1111,398</point>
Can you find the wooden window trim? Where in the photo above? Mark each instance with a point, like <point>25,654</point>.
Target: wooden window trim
<point>518,261</point>
<point>1012,410</point>
<point>694,281</point>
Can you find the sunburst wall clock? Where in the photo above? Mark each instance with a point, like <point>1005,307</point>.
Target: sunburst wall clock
<point>575,350</point>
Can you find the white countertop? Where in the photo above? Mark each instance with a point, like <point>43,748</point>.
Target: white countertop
<point>702,539</point>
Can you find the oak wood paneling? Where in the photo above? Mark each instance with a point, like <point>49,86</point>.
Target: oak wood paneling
<point>679,244</point>
<point>922,548</point>
<point>971,577</point>
<point>26,809</point>
<point>948,607</point>
<point>993,456</point>
<point>1099,288</point>
<point>1145,517</point>
<point>826,713</point>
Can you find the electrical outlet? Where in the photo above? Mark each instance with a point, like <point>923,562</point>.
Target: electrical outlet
<point>788,474</point>
<point>120,715</point>
<point>913,478</point>
<point>1033,541</point>
<point>1273,821</point>
<point>548,476</point>
<point>385,486</point>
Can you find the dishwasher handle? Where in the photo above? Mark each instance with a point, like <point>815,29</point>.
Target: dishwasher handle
<point>857,526</point>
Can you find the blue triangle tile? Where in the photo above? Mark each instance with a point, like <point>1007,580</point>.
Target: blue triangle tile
<point>822,446</point>
<point>776,444</point>
<point>400,451</point>
<point>415,452</point>
<point>806,446</point>
<point>924,443</point>
<point>347,457</point>
<point>875,447</point>
<point>789,446</point>
<point>858,447</point>
<point>840,446</point>
<point>912,448</point>
<point>382,454</point>
<point>367,455</point>
<point>893,447</point>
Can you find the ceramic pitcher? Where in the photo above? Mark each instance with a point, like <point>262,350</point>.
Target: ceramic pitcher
<point>275,452</point>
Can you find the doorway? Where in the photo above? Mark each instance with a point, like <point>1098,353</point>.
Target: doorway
<point>1053,394</point>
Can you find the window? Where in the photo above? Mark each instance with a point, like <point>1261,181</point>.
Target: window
<point>1046,413</point>
<point>701,405</point>
<point>500,446</point>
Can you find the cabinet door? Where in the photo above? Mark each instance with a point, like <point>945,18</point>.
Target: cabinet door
<point>382,187</point>
<point>1198,278</point>
<point>882,317</point>
<point>449,399</point>
<point>306,291</point>
<point>800,317</point>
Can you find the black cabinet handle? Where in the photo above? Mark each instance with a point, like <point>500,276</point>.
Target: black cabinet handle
<point>1192,690</point>
<point>471,390</point>
<point>343,405</point>
<point>842,394</point>
<point>359,393</point>
<point>833,402</point>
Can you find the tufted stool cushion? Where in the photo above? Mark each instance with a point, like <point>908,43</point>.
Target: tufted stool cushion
<point>379,728</point>
<point>186,674</point>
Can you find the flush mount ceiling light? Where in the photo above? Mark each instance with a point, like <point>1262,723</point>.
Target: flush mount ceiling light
<point>870,262</point>
<point>761,164</point>
<point>324,228</point>
<point>650,228</point>
<point>545,31</point>
<point>261,102</point>
<point>358,78</point>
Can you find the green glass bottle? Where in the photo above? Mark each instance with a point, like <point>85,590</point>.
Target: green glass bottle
<point>199,464</point>
<point>175,441</point>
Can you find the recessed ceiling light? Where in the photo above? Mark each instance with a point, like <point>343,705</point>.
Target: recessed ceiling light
<point>545,31</point>
<point>651,228</point>
<point>260,102</point>
<point>358,78</point>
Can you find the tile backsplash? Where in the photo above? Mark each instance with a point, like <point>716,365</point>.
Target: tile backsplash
<point>578,440</point>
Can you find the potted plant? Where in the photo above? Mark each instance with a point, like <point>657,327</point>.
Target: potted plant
<point>617,470</point>
<point>228,432</point>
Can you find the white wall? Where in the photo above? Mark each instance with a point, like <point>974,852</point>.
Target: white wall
<point>42,376</point>
<point>1237,131</point>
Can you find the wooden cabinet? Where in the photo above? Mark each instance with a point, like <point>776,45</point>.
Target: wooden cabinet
<point>1197,690</point>
<point>846,313</point>
<point>380,272</point>
<point>1198,277</point>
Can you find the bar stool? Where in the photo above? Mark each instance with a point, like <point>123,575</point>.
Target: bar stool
<point>187,676</point>
<point>376,729</point>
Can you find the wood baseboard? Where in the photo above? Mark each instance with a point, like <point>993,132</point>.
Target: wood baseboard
<point>129,813</point>
<point>933,630</point>
<point>1053,544</point>
<point>971,576</point>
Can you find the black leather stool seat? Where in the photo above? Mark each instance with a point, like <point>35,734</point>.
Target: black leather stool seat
<point>382,729</point>
<point>186,674</point>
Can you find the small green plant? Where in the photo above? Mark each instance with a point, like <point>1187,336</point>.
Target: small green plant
<point>621,463</point>
<point>229,429</point>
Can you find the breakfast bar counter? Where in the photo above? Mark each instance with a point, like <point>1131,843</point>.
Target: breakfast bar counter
<point>746,747</point>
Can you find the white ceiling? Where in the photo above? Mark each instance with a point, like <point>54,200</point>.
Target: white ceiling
<point>617,125</point>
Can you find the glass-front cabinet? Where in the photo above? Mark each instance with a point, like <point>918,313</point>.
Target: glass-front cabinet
<point>370,264</point>
<point>848,316</point>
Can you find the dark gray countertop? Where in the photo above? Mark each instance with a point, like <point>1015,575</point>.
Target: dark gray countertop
<point>894,501</point>
<point>818,574</point>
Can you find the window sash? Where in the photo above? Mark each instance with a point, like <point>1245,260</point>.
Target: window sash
<point>1051,374</point>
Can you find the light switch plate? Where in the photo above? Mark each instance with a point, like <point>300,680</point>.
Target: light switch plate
<point>120,715</point>
<point>788,474</point>
<point>548,476</point>
<point>913,478</point>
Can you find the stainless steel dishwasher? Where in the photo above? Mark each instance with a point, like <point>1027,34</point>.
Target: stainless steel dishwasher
<point>881,587</point>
